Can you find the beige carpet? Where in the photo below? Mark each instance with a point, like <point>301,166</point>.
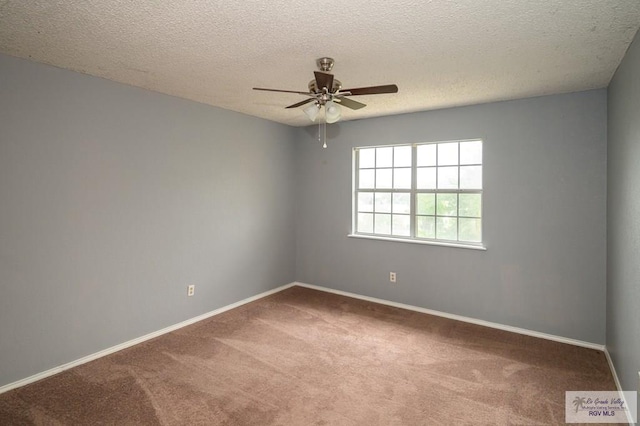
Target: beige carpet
<point>303,357</point>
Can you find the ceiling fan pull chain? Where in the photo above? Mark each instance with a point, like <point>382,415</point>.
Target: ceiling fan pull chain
<point>324,134</point>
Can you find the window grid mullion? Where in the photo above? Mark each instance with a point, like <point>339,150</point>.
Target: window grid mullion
<point>435,206</point>
<point>375,186</point>
<point>413,218</point>
<point>458,198</point>
<point>393,184</point>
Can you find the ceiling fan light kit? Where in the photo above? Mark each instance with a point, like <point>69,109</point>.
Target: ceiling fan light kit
<point>326,91</point>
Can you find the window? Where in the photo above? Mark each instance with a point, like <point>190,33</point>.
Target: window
<point>423,192</point>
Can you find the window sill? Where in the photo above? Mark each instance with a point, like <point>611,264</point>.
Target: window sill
<point>429,243</point>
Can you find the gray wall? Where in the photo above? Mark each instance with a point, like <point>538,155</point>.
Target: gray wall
<point>623,222</point>
<point>113,199</point>
<point>544,216</point>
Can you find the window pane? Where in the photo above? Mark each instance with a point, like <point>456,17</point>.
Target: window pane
<point>470,205</point>
<point>447,205</point>
<point>367,158</point>
<point>426,204</point>
<point>401,225</point>
<point>383,178</point>
<point>446,228</point>
<point>402,178</point>
<point>447,178</point>
<point>402,203</point>
<point>427,155</point>
<point>402,156</point>
<point>383,202</point>
<point>471,152</point>
<point>426,178</point>
<point>447,154</point>
<point>471,177</point>
<point>382,224</point>
<point>365,201</point>
<point>425,227</point>
<point>470,230</point>
<point>365,222</point>
<point>366,178</point>
<point>384,157</point>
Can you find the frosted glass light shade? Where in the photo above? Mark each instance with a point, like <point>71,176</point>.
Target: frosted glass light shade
<point>312,111</point>
<point>332,112</point>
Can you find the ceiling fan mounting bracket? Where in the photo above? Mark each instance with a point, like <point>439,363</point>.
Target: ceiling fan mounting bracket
<point>325,64</point>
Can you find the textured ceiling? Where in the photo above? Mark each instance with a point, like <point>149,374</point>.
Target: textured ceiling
<point>439,53</point>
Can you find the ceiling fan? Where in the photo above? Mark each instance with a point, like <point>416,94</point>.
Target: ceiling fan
<point>326,91</point>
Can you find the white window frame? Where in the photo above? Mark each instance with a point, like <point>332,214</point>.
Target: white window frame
<point>413,191</point>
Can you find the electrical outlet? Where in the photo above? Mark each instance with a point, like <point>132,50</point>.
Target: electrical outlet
<point>392,277</point>
<point>191,290</point>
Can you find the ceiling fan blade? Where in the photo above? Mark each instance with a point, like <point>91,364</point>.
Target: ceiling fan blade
<point>324,79</point>
<point>373,90</point>
<point>306,101</point>
<point>284,91</point>
<point>350,103</point>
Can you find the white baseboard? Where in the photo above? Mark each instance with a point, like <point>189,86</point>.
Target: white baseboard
<point>116,348</point>
<point>461,318</point>
<point>108,351</point>
<point>613,369</point>
<point>618,386</point>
